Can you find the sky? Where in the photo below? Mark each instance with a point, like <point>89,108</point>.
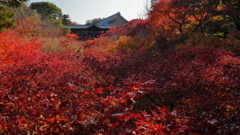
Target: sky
<point>82,10</point>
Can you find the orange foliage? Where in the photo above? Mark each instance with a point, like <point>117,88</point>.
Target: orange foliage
<point>97,44</point>
<point>72,36</point>
<point>202,14</point>
<point>169,16</point>
<point>182,15</point>
<point>126,43</point>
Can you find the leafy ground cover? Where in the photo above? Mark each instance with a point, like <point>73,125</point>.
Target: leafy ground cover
<point>195,91</point>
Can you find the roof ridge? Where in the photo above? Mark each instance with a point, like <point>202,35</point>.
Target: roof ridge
<point>108,19</point>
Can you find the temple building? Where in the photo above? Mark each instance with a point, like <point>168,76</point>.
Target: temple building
<point>87,31</point>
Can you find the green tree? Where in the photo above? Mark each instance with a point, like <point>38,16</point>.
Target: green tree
<point>6,15</point>
<point>94,21</point>
<point>47,9</point>
<point>66,19</point>
<point>51,15</point>
<point>65,30</point>
<point>13,3</point>
<point>152,1</point>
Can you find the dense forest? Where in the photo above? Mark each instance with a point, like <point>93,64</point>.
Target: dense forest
<point>176,72</point>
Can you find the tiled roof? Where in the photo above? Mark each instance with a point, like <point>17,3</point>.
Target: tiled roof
<point>107,20</point>
<point>104,24</point>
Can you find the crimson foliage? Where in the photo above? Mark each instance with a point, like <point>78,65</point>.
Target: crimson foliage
<point>190,92</point>
<point>132,28</point>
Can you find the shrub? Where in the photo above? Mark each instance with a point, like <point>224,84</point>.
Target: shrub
<point>125,43</point>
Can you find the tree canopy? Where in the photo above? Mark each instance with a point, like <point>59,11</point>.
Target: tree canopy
<point>6,15</point>
<point>47,9</point>
<point>207,17</point>
<point>94,21</point>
